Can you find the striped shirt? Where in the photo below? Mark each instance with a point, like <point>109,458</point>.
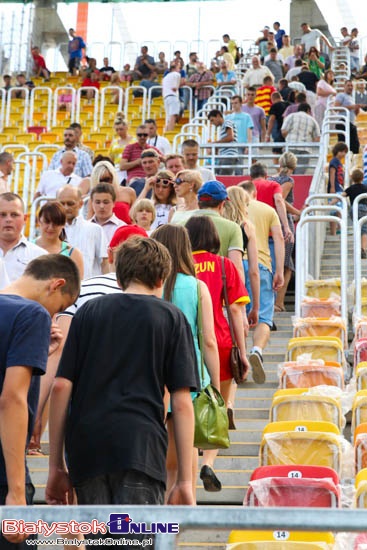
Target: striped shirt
<point>365,164</point>
<point>228,151</point>
<point>83,167</point>
<point>94,287</point>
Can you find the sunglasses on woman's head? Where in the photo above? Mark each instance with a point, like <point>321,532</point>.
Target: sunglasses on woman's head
<point>164,182</point>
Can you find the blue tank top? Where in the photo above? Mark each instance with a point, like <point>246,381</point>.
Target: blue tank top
<point>185,297</point>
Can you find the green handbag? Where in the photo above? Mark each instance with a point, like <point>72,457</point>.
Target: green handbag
<point>211,419</point>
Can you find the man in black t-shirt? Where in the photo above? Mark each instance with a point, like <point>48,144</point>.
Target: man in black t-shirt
<point>121,351</point>
<point>275,120</point>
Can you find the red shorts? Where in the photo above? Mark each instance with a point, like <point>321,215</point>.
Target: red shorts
<point>224,360</point>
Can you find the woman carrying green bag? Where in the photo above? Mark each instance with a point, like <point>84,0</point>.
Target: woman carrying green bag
<point>181,288</point>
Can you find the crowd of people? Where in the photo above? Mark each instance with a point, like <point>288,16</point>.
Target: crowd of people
<point>154,237</point>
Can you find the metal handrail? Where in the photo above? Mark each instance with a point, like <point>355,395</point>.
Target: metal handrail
<point>29,187</point>
<point>200,517</point>
<point>96,102</point>
<point>71,91</point>
<point>49,104</point>
<point>127,98</point>
<point>357,226</point>
<point>103,100</point>
<point>2,110</point>
<point>302,260</point>
<point>8,105</point>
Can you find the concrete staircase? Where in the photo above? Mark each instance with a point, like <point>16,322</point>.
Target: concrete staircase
<point>234,465</point>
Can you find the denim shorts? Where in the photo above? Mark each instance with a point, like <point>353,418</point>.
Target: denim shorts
<point>266,309</point>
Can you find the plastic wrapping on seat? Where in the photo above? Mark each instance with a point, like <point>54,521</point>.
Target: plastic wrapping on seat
<point>306,374</point>
<point>361,328</point>
<point>361,489</point>
<point>361,376</point>
<point>299,404</point>
<point>297,488</point>
<point>316,307</point>
<point>360,446</point>
<point>280,539</point>
<point>359,409</point>
<point>308,443</point>
<point>327,349</point>
<point>323,289</point>
<point>360,351</point>
<point>321,327</point>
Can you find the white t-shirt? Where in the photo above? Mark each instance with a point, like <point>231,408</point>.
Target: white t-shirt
<point>4,279</point>
<point>91,241</point>
<point>52,180</point>
<point>311,40</point>
<point>16,259</point>
<point>171,83</point>
<point>161,143</point>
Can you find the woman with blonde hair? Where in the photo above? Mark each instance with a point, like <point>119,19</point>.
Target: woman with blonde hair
<point>142,213</point>
<point>235,210</point>
<point>287,165</point>
<point>163,195</point>
<point>187,184</point>
<point>104,172</point>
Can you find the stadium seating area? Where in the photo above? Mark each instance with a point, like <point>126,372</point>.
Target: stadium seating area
<point>303,458</point>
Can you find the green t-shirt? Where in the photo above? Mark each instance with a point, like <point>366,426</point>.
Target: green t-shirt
<point>229,232</point>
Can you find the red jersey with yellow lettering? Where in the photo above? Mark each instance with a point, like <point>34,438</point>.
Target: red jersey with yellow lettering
<point>208,268</point>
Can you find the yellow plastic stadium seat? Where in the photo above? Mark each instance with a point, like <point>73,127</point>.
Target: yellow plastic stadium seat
<point>361,489</point>
<point>361,375</point>
<point>50,137</point>
<point>15,149</point>
<point>48,149</point>
<point>322,309</point>
<point>323,288</point>
<point>279,540</point>
<point>359,409</point>
<point>10,130</point>
<point>99,137</point>
<point>326,348</point>
<point>360,446</point>
<point>310,326</point>
<point>311,373</point>
<point>99,151</point>
<point>93,144</point>
<point>301,442</point>
<point>295,404</point>
<point>26,138</point>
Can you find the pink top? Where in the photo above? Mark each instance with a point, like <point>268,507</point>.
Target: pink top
<point>325,87</point>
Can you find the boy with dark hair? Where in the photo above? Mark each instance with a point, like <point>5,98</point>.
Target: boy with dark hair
<point>336,174</point>
<point>103,198</point>
<point>227,134</point>
<point>49,284</point>
<point>121,351</point>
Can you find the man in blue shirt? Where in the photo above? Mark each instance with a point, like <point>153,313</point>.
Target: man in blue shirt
<point>75,47</point>
<point>49,284</point>
<point>244,125</point>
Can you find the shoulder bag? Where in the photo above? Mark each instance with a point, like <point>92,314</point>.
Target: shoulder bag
<point>237,367</point>
<point>211,420</point>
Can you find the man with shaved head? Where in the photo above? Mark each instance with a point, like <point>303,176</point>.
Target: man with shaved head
<point>52,180</point>
<point>88,237</point>
<point>6,168</point>
<point>256,73</point>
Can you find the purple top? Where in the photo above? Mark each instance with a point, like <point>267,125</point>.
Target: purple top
<point>257,114</point>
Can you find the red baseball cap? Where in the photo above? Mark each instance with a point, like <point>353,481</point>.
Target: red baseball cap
<point>123,233</point>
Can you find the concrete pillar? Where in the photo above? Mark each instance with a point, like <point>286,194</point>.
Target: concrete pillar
<point>306,11</point>
<point>48,30</point>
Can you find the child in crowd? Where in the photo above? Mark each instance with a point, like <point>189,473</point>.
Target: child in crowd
<point>336,175</point>
<point>143,214</point>
<point>356,188</point>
